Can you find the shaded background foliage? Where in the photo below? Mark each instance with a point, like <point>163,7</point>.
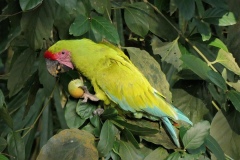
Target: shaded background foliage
<point>187,49</point>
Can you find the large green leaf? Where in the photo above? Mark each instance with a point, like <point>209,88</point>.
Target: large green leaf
<point>45,78</point>
<point>105,28</point>
<point>169,51</point>
<point>192,106</point>
<point>225,136</point>
<point>21,70</point>
<point>196,65</point>
<point>158,153</point>
<point>203,29</point>
<point>16,147</point>
<point>217,43</point>
<point>85,110</point>
<point>228,61</point>
<point>150,69</point>
<point>186,8</point>
<point>72,118</point>
<point>29,4</point>
<point>80,26</point>
<point>6,41</point>
<point>101,6</point>
<point>4,114</point>
<point>196,135</point>
<point>128,152</point>
<point>136,130</point>
<point>107,138</point>
<point>219,16</point>
<point>69,5</point>
<point>234,97</point>
<point>214,147</point>
<point>136,18</point>
<point>233,39</point>
<point>3,144</point>
<point>37,24</point>
<point>129,137</point>
<point>217,3</point>
<point>217,79</point>
<point>59,108</point>
<point>70,144</point>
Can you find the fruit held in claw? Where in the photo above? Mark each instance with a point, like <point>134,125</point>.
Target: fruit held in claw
<point>74,88</point>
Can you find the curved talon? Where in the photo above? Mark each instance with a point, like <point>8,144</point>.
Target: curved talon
<point>98,111</point>
<point>87,95</point>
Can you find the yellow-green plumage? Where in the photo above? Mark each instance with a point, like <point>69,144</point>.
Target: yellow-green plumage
<point>116,79</point>
<point>113,76</point>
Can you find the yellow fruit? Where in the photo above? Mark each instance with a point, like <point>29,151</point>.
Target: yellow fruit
<point>74,88</point>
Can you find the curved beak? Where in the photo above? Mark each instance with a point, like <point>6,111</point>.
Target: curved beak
<point>54,67</point>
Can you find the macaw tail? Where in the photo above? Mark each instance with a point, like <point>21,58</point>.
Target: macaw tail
<point>171,130</point>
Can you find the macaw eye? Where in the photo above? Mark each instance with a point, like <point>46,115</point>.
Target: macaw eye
<point>63,52</point>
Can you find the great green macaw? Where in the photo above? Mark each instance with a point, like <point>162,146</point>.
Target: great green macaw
<point>114,79</point>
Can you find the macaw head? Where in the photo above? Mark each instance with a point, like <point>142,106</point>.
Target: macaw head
<point>58,58</point>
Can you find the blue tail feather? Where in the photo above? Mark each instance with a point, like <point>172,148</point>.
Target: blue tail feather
<point>181,116</point>
<point>171,130</point>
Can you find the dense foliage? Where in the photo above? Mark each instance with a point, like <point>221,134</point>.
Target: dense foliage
<point>185,48</point>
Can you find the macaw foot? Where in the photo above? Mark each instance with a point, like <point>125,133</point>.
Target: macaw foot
<point>87,95</point>
<point>98,111</point>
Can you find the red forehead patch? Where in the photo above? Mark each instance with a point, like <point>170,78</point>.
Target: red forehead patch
<point>50,55</point>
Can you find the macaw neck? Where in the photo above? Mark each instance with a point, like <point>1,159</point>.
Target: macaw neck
<point>87,56</point>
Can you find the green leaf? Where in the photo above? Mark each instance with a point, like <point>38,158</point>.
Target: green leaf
<point>29,4</point>
<point>107,138</point>
<point>129,137</point>
<point>102,26</point>
<point>192,106</point>
<point>175,156</point>
<point>80,26</point>
<point>37,24</point>
<point>2,157</point>
<point>203,29</point>
<point>100,5</point>
<point>196,65</point>
<point>4,114</point>
<point>219,16</point>
<point>45,78</point>
<point>136,18</point>
<point>160,27</point>
<point>72,118</point>
<point>16,147</point>
<point>59,108</point>
<point>6,41</point>
<point>228,61</point>
<point>217,79</point>
<point>21,70</point>
<point>235,85</point>
<point>70,144</point>
<point>69,5</point>
<point>217,43</point>
<point>136,130</point>
<point>217,3</point>
<point>196,135</point>
<point>186,8</point>
<point>150,69</point>
<point>109,113</point>
<point>158,153</point>
<point>228,139</point>
<point>85,110</point>
<point>128,152</point>
<point>3,144</point>
<point>234,97</point>
<point>169,51</point>
<point>214,147</point>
